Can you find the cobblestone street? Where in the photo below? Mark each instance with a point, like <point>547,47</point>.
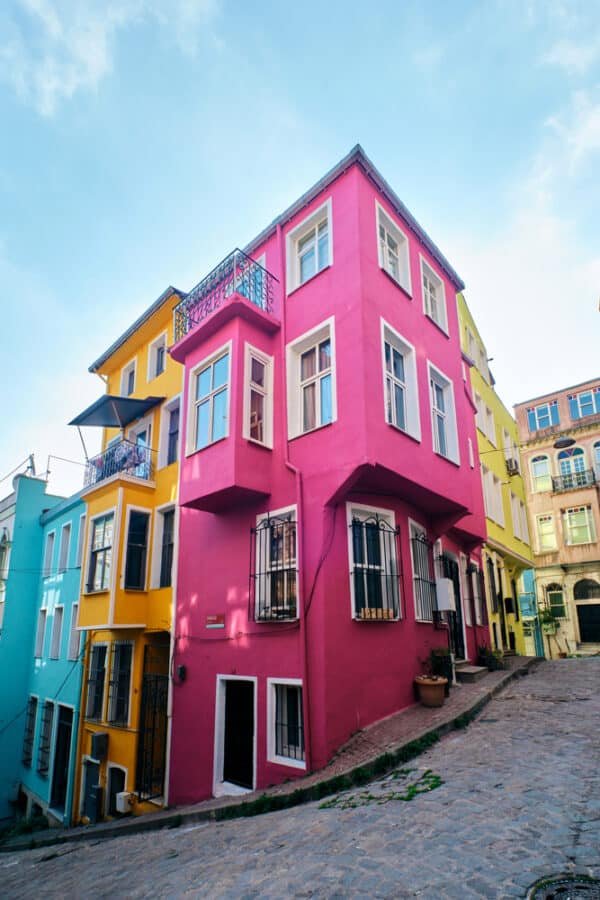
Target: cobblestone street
<point>519,798</point>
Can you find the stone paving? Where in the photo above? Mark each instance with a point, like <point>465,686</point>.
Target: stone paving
<point>520,799</point>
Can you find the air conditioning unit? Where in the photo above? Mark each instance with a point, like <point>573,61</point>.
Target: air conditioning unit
<point>446,601</point>
<point>512,466</point>
<point>123,802</point>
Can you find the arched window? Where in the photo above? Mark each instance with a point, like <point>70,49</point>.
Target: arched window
<point>556,600</point>
<point>586,589</point>
<point>540,473</point>
<point>571,461</point>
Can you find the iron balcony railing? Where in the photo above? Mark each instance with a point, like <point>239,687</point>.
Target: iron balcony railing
<point>237,273</point>
<point>573,480</point>
<point>124,458</point>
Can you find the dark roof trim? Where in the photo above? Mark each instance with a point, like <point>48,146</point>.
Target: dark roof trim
<point>551,394</point>
<point>358,156</point>
<point>137,324</point>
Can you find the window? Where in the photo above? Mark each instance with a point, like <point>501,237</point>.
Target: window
<point>49,553</point>
<point>423,579</point>
<point>95,682</point>
<point>173,435</point>
<point>4,552</point>
<point>571,464</point>
<point>393,250</point>
<point>524,524</point>
<point>586,589</point>
<point>309,247</point>
<point>80,539</point>
<point>168,450</point>
<point>540,474</point>
<point>480,416</point>
<point>128,379</point>
<point>289,729</point>
<point>74,634</point>
<point>490,426</point>
<point>137,548</point>
<point>258,398</point>
<point>275,576</point>
<point>597,459</point>
<point>374,583</point>
<point>166,551</point>
<point>116,784</point>
<point>157,357</point>
<point>101,553</point>
<point>543,416</point>
<point>57,623</point>
<point>311,380</point>
<point>400,383</point>
<point>471,453</point>
<point>584,404</point>
<point>210,392</point>
<point>31,716</point>
<point>556,600</point>
<point>546,534</point>
<point>43,760</point>
<point>65,541</point>
<point>492,495</point>
<point>434,297</point>
<point>478,598</point>
<point>443,415</point>
<point>118,686</point>
<point>579,525</point>
<point>41,630</point>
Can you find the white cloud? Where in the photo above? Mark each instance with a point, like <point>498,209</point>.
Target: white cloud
<point>579,128</point>
<point>66,47</point>
<point>573,56</point>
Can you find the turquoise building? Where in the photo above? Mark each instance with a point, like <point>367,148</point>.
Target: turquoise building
<point>49,729</point>
<point>20,555</point>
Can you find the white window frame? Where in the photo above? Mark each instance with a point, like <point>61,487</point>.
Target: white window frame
<point>479,416</point>
<point>524,522</point>
<point>108,678</point>
<point>476,589</point>
<point>464,590</point>
<point>293,238</point>
<point>427,271</point>
<point>74,648</point>
<point>49,547</point>
<point>534,488</point>
<point>538,535</point>
<point>417,527</point>
<point>294,350</point>
<point>251,352</point>
<point>498,500</point>
<point>56,633</point>
<point>490,426</point>
<point>157,538</point>
<point>390,226</point>
<point>272,756</point>
<point>411,388</point>
<point>65,547</point>
<point>87,588</point>
<point>163,441</point>
<point>109,768</point>
<point>132,364</point>
<point>361,511</point>
<point>447,385</point>
<point>194,405</point>
<point>40,633</point>
<point>81,540</point>
<point>589,521</point>
<point>471,453</point>
<point>219,744</point>
<point>160,341</point>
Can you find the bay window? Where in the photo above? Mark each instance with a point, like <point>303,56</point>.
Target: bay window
<point>209,392</point>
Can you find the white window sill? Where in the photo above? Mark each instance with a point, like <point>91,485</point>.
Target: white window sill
<point>395,281</point>
<point>286,761</point>
<point>259,443</point>
<point>423,621</point>
<point>375,620</point>
<point>193,451</point>
<point>308,280</point>
<point>415,437</point>
<point>93,593</point>
<point>300,434</point>
<point>455,462</point>
<point>438,325</point>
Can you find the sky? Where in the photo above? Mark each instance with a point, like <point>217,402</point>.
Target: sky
<point>142,140</point>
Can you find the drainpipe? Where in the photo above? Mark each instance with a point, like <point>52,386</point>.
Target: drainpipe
<point>299,505</point>
<point>77,781</point>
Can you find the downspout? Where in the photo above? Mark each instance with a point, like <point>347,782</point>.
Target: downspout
<point>77,781</point>
<point>299,505</point>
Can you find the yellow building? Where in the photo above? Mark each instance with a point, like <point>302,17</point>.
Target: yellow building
<point>127,586</point>
<point>507,552</point>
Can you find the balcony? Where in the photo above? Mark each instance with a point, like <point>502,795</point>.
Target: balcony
<point>122,458</point>
<point>237,275</point>
<point>573,480</point>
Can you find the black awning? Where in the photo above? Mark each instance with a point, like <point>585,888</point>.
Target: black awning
<point>115,412</point>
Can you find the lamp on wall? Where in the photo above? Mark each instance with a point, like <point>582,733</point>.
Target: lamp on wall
<point>563,443</point>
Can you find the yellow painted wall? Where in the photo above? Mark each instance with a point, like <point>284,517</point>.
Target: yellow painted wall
<point>511,552</point>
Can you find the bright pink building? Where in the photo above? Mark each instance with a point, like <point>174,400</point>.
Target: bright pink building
<point>329,476</point>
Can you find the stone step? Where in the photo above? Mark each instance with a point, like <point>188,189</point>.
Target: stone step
<point>469,673</point>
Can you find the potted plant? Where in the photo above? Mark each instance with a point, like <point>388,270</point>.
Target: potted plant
<point>491,659</point>
<point>431,689</point>
<point>440,663</point>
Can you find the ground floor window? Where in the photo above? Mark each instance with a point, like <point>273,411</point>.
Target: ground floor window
<point>120,679</point>
<point>288,722</point>
<point>556,600</point>
<point>32,706</point>
<point>43,760</point>
<point>374,566</point>
<point>95,682</point>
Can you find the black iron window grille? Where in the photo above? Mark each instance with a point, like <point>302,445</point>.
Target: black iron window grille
<point>95,682</point>
<point>289,730</point>
<point>152,743</point>
<point>423,580</point>
<point>32,706</point>
<point>375,570</point>
<point>237,273</point>
<point>137,547</point>
<point>274,573</point>
<point>123,457</point>
<point>166,553</point>
<point>571,480</point>
<point>43,760</point>
<point>101,553</point>
<point>495,595</point>
<point>119,683</point>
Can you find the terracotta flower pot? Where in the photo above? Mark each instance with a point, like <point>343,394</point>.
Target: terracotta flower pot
<point>431,689</point>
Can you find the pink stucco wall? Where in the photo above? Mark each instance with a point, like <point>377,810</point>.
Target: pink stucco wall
<point>353,673</point>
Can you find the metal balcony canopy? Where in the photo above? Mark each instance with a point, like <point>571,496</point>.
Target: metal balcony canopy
<point>115,412</point>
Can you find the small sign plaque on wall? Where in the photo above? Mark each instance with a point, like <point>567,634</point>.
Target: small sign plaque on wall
<point>216,621</point>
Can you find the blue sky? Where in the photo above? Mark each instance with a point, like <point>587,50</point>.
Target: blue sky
<point>141,140</point>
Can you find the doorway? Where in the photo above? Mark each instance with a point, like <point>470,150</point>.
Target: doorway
<point>62,754</point>
<point>236,699</point>
<point>451,570</point>
<point>589,623</point>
